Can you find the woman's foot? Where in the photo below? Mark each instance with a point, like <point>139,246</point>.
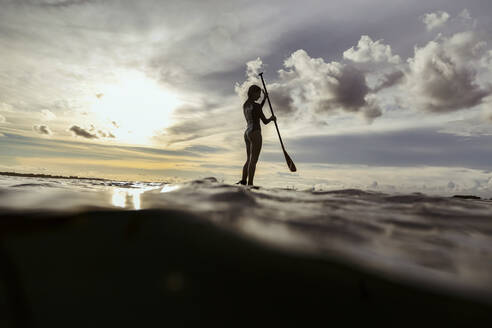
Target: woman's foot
<point>252,187</point>
<point>242,182</point>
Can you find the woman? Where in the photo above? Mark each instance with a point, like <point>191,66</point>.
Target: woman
<point>252,136</point>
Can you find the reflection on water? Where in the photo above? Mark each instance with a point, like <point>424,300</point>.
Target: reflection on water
<point>169,188</point>
<point>130,197</point>
<point>123,196</point>
<point>136,198</point>
<point>119,198</point>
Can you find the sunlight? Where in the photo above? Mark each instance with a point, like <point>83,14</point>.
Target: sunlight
<point>135,107</point>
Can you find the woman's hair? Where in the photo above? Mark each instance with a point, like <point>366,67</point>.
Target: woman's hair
<point>253,89</point>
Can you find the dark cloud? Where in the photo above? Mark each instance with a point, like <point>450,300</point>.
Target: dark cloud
<point>91,133</point>
<point>348,93</point>
<point>388,80</point>
<point>105,134</point>
<point>281,98</point>
<point>372,109</point>
<point>417,147</point>
<point>81,132</point>
<point>443,77</point>
<point>42,129</point>
<point>311,84</point>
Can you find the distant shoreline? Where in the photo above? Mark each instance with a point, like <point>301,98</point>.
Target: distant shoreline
<point>39,175</point>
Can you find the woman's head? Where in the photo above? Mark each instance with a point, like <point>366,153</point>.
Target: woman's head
<point>254,92</point>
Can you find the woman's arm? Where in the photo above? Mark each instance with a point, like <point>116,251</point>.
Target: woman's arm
<point>262,116</point>
<point>264,119</point>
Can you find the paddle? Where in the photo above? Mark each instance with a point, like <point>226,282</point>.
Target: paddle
<point>289,161</point>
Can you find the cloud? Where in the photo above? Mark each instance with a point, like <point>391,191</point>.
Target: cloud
<point>55,3</point>
<point>92,132</point>
<point>204,149</point>
<point>253,68</point>
<point>4,107</point>
<point>47,115</point>
<point>3,119</point>
<point>281,98</point>
<point>388,80</point>
<point>372,108</point>
<point>368,50</point>
<point>42,129</point>
<point>74,149</point>
<point>105,134</point>
<point>203,118</point>
<point>326,87</point>
<point>224,37</point>
<point>478,124</point>
<point>445,75</point>
<point>157,32</point>
<point>442,76</point>
<point>187,130</point>
<point>78,131</point>
<point>405,148</point>
<point>486,60</point>
<point>451,185</point>
<point>465,14</point>
<point>434,20</point>
<point>279,93</point>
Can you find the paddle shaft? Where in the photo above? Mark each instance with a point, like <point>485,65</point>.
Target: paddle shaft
<point>271,109</point>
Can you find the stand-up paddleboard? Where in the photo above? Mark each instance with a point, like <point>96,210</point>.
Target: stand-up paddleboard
<point>246,186</point>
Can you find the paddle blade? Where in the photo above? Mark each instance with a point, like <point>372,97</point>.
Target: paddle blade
<point>290,163</point>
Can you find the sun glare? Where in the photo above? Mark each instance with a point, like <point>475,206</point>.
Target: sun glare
<point>135,107</point>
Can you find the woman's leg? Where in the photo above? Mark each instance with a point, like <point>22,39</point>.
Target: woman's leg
<point>246,165</point>
<point>256,140</point>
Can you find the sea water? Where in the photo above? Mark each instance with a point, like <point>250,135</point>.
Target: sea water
<point>440,243</point>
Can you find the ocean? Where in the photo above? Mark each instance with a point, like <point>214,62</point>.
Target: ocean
<point>93,252</point>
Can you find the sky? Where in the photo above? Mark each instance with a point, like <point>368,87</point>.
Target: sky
<point>394,96</point>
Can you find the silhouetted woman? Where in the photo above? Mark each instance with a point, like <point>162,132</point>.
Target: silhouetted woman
<point>252,135</point>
